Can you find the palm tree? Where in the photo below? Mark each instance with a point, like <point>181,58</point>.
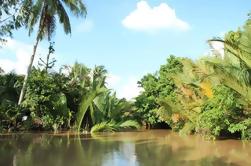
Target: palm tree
<point>234,70</point>
<point>44,13</point>
<point>96,88</point>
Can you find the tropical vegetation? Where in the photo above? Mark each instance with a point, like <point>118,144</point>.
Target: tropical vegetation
<point>209,96</point>
<point>74,98</point>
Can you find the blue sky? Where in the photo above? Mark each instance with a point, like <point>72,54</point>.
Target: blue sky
<point>131,38</point>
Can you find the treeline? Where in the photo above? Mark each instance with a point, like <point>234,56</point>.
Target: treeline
<point>75,98</point>
<point>210,96</point>
<point>45,100</point>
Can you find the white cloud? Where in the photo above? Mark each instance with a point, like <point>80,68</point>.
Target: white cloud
<point>85,26</point>
<point>125,87</point>
<point>147,18</point>
<point>22,52</point>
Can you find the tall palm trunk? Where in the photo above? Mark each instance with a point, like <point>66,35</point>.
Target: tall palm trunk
<point>38,38</point>
<point>28,71</point>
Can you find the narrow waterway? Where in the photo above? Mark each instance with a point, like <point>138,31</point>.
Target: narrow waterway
<point>144,148</point>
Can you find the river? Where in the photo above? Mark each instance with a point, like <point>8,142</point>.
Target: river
<point>142,148</point>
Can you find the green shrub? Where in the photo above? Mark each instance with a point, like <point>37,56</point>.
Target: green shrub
<point>219,112</point>
<point>46,102</point>
<point>244,127</point>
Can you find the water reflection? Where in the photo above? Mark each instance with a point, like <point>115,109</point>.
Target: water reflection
<point>152,148</point>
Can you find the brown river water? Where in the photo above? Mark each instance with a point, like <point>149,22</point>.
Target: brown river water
<point>142,148</point>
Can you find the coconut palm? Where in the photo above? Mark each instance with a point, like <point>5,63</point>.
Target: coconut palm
<point>44,14</point>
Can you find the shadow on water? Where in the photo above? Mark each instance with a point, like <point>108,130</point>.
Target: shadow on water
<point>137,149</point>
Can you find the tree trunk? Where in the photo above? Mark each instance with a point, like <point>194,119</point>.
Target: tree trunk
<point>28,72</point>
<point>38,38</point>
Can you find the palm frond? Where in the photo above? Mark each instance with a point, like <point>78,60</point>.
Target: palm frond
<point>34,15</point>
<point>104,127</point>
<point>77,7</point>
<point>63,17</point>
<point>84,105</point>
<point>232,76</point>
<point>129,124</point>
<point>113,126</point>
<point>241,75</point>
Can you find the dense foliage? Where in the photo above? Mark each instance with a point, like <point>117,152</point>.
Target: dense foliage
<point>77,99</point>
<point>210,96</point>
<point>13,15</point>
